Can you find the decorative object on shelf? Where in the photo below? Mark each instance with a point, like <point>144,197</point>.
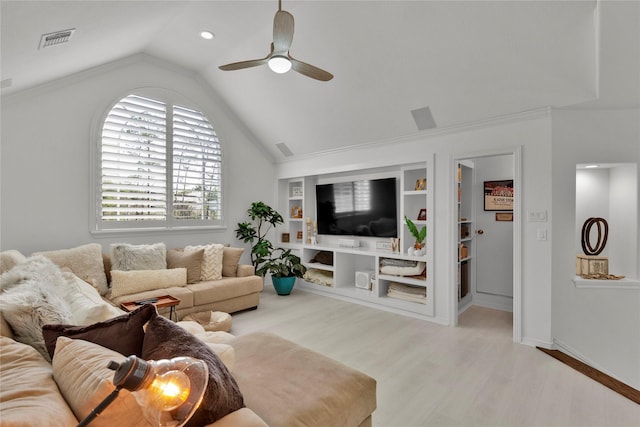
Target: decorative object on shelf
<point>299,235</point>
<point>263,218</point>
<point>419,235</point>
<point>463,252</point>
<point>464,231</point>
<point>168,391</point>
<point>296,190</point>
<point>504,216</point>
<point>395,244</point>
<point>590,265</point>
<point>421,184</point>
<point>586,235</point>
<point>422,215</point>
<point>308,231</point>
<point>296,212</point>
<point>314,238</point>
<point>498,195</point>
<point>285,237</point>
<point>284,268</point>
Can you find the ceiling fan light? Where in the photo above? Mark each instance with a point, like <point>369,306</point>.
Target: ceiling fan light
<point>279,64</point>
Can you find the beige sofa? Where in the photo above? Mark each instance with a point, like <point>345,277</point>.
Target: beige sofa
<point>282,383</point>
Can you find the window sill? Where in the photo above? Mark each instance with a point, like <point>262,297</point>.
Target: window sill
<point>149,231</point>
<point>625,283</point>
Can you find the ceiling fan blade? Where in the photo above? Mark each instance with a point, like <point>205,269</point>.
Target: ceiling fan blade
<point>309,70</point>
<point>247,64</point>
<point>282,31</point>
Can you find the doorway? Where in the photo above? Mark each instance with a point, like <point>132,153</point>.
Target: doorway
<point>493,242</point>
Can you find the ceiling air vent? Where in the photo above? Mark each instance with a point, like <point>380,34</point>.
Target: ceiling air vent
<point>54,39</point>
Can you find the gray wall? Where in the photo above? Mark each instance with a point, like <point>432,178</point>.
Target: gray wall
<point>45,173</point>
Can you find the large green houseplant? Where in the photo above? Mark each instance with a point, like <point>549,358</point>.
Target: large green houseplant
<point>263,218</point>
<point>284,267</point>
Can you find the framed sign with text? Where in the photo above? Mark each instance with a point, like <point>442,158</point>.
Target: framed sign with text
<point>498,195</point>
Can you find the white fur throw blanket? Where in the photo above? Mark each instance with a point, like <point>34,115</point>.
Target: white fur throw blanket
<point>31,297</point>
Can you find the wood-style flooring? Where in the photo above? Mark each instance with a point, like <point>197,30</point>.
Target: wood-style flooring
<point>432,375</point>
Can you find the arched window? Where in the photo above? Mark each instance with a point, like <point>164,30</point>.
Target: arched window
<point>160,165</point>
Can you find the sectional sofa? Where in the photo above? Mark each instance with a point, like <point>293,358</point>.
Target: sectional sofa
<point>276,382</point>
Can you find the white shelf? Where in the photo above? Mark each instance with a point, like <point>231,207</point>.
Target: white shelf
<point>625,283</point>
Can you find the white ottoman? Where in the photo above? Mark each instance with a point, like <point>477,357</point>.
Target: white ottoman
<point>211,320</point>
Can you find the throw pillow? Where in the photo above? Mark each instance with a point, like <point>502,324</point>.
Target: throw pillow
<point>230,261</point>
<point>135,281</point>
<point>165,340</point>
<point>192,261</point>
<point>212,261</point>
<point>138,257</point>
<point>80,370</point>
<point>86,305</point>
<point>123,334</point>
<point>85,261</point>
<point>32,299</point>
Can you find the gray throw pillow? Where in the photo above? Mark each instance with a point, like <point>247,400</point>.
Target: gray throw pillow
<point>127,257</point>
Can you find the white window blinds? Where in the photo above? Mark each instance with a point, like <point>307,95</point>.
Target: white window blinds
<point>159,163</point>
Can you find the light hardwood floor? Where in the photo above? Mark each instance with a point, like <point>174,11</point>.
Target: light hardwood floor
<point>431,375</point>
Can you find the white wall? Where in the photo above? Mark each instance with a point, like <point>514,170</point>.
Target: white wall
<point>532,133</point>
<point>46,136</point>
<point>598,325</point>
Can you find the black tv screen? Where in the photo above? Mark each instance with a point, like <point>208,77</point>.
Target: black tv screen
<point>358,208</point>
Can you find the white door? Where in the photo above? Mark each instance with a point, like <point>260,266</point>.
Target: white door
<point>493,239</point>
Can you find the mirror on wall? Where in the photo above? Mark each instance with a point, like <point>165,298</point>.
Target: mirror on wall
<point>608,192</point>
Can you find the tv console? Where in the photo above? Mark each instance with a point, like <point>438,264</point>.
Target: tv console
<point>354,255</point>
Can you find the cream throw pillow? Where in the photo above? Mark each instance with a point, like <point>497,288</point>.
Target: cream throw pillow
<point>211,268</point>
<point>80,370</point>
<point>87,307</point>
<point>85,261</point>
<point>135,281</point>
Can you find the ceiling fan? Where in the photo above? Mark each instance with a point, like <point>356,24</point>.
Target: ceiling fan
<point>279,59</point>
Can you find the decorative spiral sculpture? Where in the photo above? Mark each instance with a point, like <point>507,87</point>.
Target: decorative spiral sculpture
<point>601,223</point>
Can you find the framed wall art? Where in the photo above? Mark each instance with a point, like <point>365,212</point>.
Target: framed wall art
<point>498,195</point>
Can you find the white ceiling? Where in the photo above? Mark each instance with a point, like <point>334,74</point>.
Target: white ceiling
<point>465,60</point>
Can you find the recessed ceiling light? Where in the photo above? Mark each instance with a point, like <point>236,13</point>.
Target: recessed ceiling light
<point>207,35</point>
<point>591,166</point>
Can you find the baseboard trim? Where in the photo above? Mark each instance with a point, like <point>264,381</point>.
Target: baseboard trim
<point>596,375</point>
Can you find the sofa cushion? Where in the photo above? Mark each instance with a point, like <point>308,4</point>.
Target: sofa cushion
<point>123,334</point>
<point>334,394</point>
<point>192,261</point>
<point>9,259</point>
<point>226,288</point>
<point>85,261</point>
<point>80,370</point>
<point>212,261</point>
<point>29,395</point>
<point>138,257</point>
<point>230,260</point>
<point>133,282</point>
<point>165,340</point>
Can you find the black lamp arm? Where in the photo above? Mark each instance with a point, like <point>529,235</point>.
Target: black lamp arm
<point>101,407</point>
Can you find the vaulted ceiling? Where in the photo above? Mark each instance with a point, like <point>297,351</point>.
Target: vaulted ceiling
<point>466,61</point>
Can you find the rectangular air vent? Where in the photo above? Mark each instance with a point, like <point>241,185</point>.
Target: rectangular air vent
<point>423,118</point>
<point>284,149</point>
<point>54,39</point>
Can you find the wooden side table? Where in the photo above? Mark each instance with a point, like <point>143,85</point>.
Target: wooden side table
<point>159,302</point>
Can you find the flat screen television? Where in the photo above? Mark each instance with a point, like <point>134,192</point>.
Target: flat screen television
<point>358,208</point>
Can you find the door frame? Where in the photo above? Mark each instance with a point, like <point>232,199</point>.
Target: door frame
<point>517,233</point>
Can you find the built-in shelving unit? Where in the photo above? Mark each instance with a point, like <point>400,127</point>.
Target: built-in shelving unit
<point>464,242</point>
<point>355,273</point>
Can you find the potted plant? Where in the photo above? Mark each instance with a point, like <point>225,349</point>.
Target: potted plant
<point>263,218</point>
<point>418,247</point>
<point>284,268</point>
